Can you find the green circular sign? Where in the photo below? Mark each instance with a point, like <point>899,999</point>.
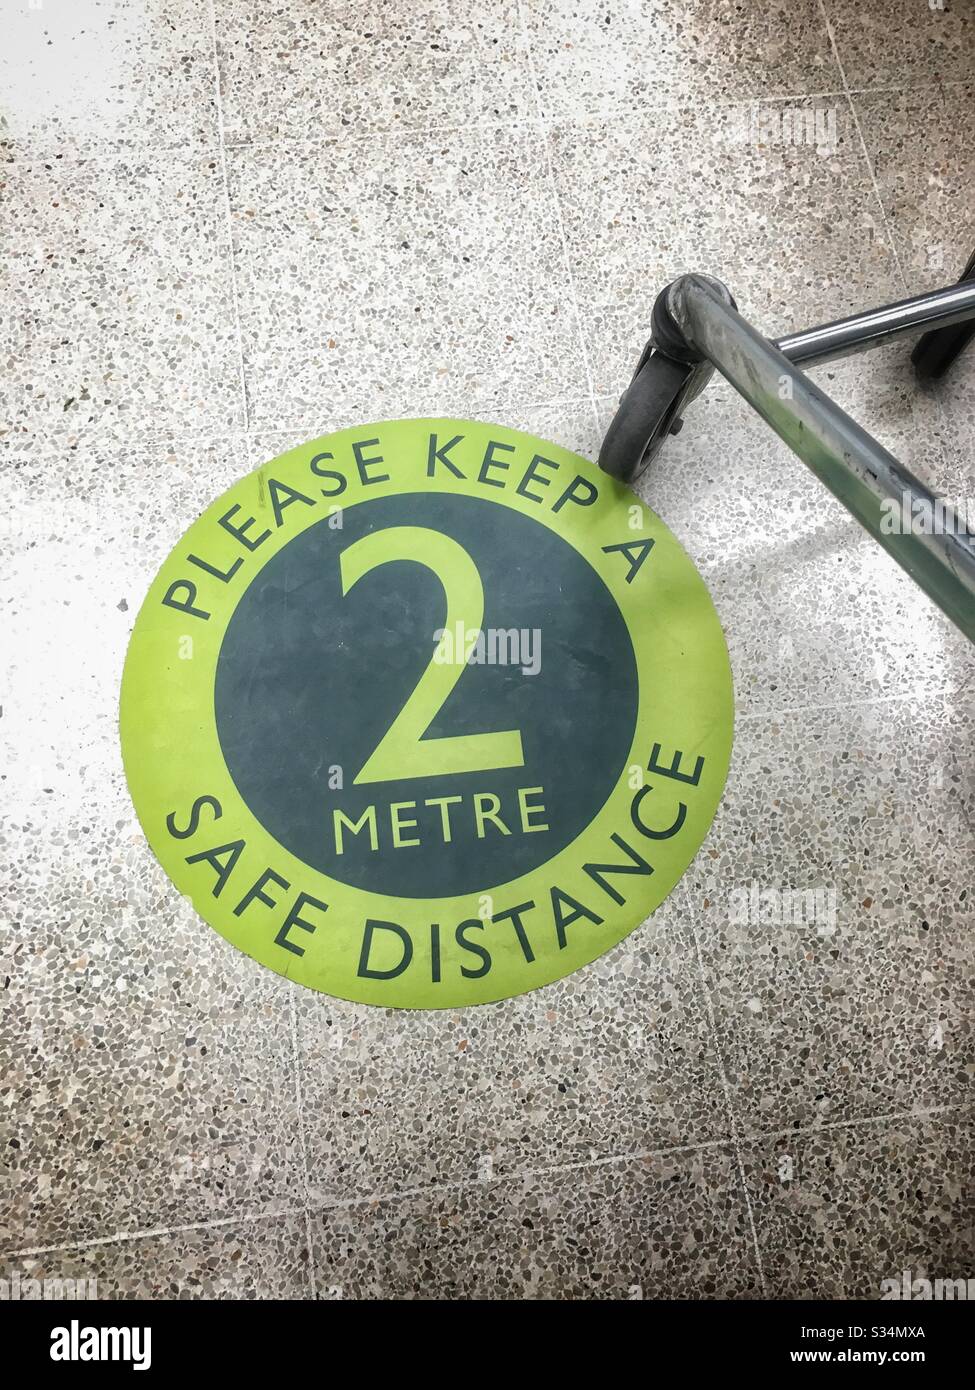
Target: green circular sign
<point>426,713</point>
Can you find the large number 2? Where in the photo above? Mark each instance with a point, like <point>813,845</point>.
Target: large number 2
<point>403,751</point>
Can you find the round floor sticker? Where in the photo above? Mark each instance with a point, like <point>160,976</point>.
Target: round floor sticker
<point>426,713</point>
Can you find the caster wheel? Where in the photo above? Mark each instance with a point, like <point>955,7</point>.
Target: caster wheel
<point>647,414</point>
<point>937,349</point>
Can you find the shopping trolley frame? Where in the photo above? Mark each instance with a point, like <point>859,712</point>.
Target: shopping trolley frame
<point>696,327</point>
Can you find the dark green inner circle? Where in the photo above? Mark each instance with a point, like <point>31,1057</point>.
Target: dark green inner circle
<point>308,681</point>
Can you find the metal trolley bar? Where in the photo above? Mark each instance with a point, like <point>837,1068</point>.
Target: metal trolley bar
<point>844,457</point>
<point>876,327</point>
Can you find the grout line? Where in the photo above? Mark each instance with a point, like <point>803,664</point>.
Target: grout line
<point>227,214</point>
<point>894,698</point>
<point>150,1233</point>
<point>888,230</point>
<point>353,135</point>
<point>476,413</point>
<point>522,1174</point>
<point>130,149</point>
<point>349,1203</point>
<point>524,123</point>
<point>302,1140</point>
<point>604,116</point>
<point>938,403</point>
<point>367,1199</point>
<point>191,431</point>
<point>557,204</point>
<point>940,409</point>
<point>310,1242</point>
<point>899,1117</point>
<point>891,242</point>
<point>931,86</point>
<point>729,1108</point>
<point>403,1194</point>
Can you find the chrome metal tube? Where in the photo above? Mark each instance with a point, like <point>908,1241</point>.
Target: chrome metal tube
<point>860,472</point>
<point>861,332</point>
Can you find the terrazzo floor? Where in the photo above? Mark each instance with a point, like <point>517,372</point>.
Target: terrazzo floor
<point>231,227</point>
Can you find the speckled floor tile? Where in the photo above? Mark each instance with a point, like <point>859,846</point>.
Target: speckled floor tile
<point>827,617</point>
<point>150,1077</point>
<point>839,995</point>
<point>795,231</point>
<point>899,43</point>
<point>576,425</point>
<point>120,313</point>
<point>260,1260</point>
<point>421,269</point>
<point>83,75</point>
<point>615,1059</point>
<point>922,148</point>
<point>839,1212</point>
<point>812,790</point>
<point>313,69</point>
<point>667,1227</point>
<point>573,424</point>
<point>619,56</point>
<point>85,533</point>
